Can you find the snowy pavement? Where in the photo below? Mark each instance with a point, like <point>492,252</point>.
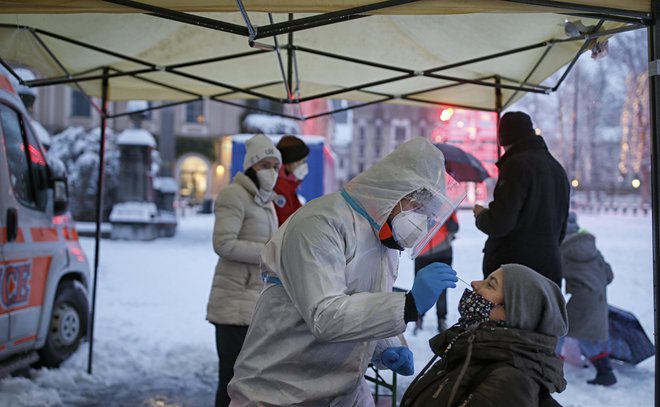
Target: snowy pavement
<point>153,346</point>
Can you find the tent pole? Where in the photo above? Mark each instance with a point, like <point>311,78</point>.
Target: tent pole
<point>289,61</point>
<point>99,214</point>
<point>654,97</point>
<point>498,109</point>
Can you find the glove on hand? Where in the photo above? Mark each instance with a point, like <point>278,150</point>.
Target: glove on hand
<point>399,359</point>
<point>430,282</point>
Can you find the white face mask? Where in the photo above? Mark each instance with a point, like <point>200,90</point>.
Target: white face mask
<point>301,171</point>
<point>267,179</point>
<point>407,227</point>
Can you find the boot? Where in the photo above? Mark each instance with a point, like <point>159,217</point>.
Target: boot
<point>419,325</point>
<point>442,325</point>
<point>604,374</point>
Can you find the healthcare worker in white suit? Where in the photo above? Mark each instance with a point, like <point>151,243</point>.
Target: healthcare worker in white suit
<point>327,308</point>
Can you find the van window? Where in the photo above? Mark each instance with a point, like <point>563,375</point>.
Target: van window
<point>28,172</point>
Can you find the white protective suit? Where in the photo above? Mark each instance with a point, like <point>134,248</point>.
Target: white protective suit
<point>314,332</point>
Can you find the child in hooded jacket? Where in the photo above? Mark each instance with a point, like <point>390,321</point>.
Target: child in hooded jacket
<point>587,275</point>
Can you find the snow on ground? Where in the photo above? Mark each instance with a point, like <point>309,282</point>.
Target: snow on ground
<point>153,346</point>
<point>625,242</point>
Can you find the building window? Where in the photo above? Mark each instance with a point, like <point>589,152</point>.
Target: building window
<point>422,129</point>
<point>193,177</point>
<point>195,112</point>
<point>80,104</point>
<point>361,167</point>
<point>379,134</point>
<point>399,135</point>
<point>362,133</point>
<point>361,150</point>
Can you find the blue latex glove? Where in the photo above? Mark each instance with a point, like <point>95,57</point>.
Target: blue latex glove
<point>430,282</point>
<point>399,359</point>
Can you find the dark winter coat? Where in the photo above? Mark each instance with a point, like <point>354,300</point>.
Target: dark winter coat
<point>489,366</point>
<point>526,221</point>
<point>587,275</point>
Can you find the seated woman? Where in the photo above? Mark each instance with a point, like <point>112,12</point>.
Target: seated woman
<point>502,350</point>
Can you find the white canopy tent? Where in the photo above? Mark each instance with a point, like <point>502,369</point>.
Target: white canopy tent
<point>450,52</point>
<point>481,54</point>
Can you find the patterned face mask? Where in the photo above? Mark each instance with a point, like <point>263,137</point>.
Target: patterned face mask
<point>473,308</point>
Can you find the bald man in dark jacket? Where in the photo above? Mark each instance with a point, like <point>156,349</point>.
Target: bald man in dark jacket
<point>526,221</point>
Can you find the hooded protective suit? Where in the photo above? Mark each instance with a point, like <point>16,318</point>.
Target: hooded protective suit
<point>328,308</point>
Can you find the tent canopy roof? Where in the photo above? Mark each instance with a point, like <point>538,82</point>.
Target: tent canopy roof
<point>316,6</point>
<point>419,52</point>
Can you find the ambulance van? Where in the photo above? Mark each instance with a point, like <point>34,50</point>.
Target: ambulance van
<point>44,274</point>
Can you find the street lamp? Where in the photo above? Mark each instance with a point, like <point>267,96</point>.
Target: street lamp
<point>575,183</point>
<point>636,183</point>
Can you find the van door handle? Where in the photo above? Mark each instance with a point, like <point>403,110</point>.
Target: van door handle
<point>12,224</point>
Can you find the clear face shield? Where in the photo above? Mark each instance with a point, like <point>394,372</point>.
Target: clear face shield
<point>437,204</point>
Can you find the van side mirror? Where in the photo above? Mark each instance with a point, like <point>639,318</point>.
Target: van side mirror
<point>59,184</point>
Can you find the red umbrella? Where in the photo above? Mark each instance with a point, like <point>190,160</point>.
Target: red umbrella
<point>461,165</point>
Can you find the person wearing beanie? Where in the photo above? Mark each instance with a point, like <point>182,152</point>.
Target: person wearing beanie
<point>587,275</point>
<point>502,350</point>
<point>292,172</point>
<point>244,221</point>
<point>526,220</point>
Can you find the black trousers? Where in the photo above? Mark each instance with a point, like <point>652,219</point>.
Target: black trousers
<point>446,257</point>
<point>228,343</point>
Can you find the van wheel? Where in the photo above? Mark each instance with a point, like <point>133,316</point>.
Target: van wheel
<point>68,324</point>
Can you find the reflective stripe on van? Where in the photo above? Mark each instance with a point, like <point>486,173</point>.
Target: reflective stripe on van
<point>20,238</point>
<point>40,235</point>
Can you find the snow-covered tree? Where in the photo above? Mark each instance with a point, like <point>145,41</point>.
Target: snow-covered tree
<point>78,149</point>
<point>634,159</point>
<point>587,120</point>
<point>267,124</point>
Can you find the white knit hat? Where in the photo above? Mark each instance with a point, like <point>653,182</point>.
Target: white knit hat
<point>257,148</point>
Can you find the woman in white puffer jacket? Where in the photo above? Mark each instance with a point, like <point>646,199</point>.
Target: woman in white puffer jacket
<point>245,220</point>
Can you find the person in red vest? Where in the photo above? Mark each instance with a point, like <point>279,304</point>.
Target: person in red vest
<point>438,249</point>
<point>292,172</point>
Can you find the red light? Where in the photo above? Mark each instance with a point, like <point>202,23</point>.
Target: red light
<point>59,220</point>
<point>5,84</point>
<point>35,155</point>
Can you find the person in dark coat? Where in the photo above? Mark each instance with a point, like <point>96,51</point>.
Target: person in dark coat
<point>502,350</point>
<point>526,221</point>
<point>292,173</point>
<point>587,275</point>
<point>438,249</point>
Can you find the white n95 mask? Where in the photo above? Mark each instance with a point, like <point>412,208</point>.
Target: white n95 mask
<point>408,227</point>
<point>267,179</point>
<point>301,171</point>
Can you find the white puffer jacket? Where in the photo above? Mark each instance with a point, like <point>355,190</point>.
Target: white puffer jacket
<point>242,228</point>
